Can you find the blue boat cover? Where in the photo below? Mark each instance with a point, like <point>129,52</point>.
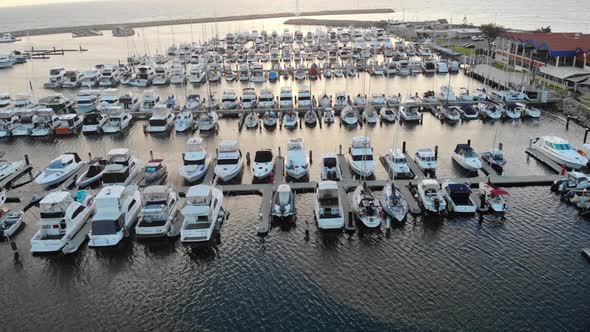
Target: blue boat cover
<point>459,188</point>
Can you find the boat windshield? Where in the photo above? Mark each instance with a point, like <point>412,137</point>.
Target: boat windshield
<point>195,162</point>
<point>151,169</point>
<point>56,164</point>
<point>360,157</point>
<point>330,162</point>
<point>263,157</point>
<point>399,160</point>
<point>105,227</point>
<point>158,123</point>
<point>231,161</point>
<point>562,147</point>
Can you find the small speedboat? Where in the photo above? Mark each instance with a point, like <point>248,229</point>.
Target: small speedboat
<point>466,157</point>
<point>366,207</point>
<point>426,160</point>
<point>310,118</point>
<point>264,164</point>
<point>387,114</point>
<point>393,202</point>
<point>493,198</point>
<point>495,158</point>
<point>328,116</point>
<point>349,116</point>
<point>10,223</point>
<point>283,202</point>
<point>370,116</point>
<point>512,111</point>
<point>290,120</point>
<point>574,181</point>
<point>431,196</point>
<point>296,163</point>
<point>155,171</point>
<point>331,167</point>
<point>458,197</point>
<point>60,169</point>
<point>269,119</point>
<point>251,120</point>
<point>93,175</point>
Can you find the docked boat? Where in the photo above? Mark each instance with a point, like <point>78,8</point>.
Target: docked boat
<point>366,206</point>
<point>458,197</point>
<point>466,157</point>
<point>290,120</point>
<point>93,175</point>
<point>449,113</point>
<point>249,99</point>
<point>560,151</point>
<point>426,160</point>
<point>8,168</point>
<point>184,121</point>
<point>286,98</point>
<point>44,122</point>
<point>388,114</point>
<point>62,217</point>
<point>208,121</point>
<point>467,112</point>
<point>68,124</point>
<point>397,165</point>
<point>24,127</point>
<point>328,116</point>
<point>58,102</point>
<point>495,158</point>
<point>56,78</point>
<point>158,215</point>
<point>329,213</point>
<point>512,111</point>
<point>149,100</point>
<point>90,78</point>
<point>196,160</point>
<point>409,113</point>
<point>360,157</point>
<point>121,169</point>
<point>155,172</point>
<point>10,223</point>
<point>269,119</point>
<point>493,198</point>
<point>203,214</point>
<point>117,211</point>
<point>325,101</point>
<point>229,160</point>
<point>161,121</point>
<point>349,116</point>
<point>264,164</point>
<point>251,120</point>
<point>129,102</point>
<point>108,98</point>
<point>59,169</point>
<point>194,102</point>
<point>331,167</point>
<point>341,101</point>
<point>431,197</point>
<point>488,110</point>
<point>446,94</point>
<point>296,163</point>
<point>229,99</point>
<point>530,111</point>
<point>310,118</point>
<point>86,101</point>
<point>283,203</point>
<point>117,120</point>
<point>8,120</point>
<point>393,202</point>
<point>574,181</point>
<point>143,77</point>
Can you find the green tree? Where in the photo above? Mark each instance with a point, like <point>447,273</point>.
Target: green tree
<point>544,29</point>
<point>490,32</point>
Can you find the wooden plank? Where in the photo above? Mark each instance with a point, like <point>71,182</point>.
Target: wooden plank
<point>208,179</point>
<point>414,167</point>
<point>544,160</point>
<point>344,167</point>
<point>265,208</point>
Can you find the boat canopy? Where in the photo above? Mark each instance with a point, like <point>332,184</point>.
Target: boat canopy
<point>463,148</point>
<point>155,193</point>
<point>229,146</point>
<point>284,192</point>
<point>56,202</point>
<point>359,142</point>
<point>199,195</point>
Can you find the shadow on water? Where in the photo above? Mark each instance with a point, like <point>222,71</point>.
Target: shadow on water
<point>158,247</point>
<point>121,253</point>
<point>284,224</point>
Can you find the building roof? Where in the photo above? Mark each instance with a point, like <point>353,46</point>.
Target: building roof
<point>558,44</point>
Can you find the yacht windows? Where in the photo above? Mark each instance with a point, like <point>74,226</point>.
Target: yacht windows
<point>399,160</point>
<point>330,162</point>
<point>158,122</point>
<point>232,161</point>
<point>106,227</point>
<point>131,205</point>
<point>57,164</point>
<point>78,211</point>
<point>52,215</point>
<point>561,147</point>
<point>263,157</point>
<point>194,162</point>
<point>202,223</point>
<point>361,157</point>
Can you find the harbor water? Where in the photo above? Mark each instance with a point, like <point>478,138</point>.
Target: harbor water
<point>523,273</point>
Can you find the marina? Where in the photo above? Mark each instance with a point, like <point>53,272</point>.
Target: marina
<point>367,201</point>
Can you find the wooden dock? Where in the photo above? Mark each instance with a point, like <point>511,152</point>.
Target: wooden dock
<point>544,160</point>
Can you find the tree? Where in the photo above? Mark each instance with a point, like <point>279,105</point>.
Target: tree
<point>490,32</point>
<point>544,29</point>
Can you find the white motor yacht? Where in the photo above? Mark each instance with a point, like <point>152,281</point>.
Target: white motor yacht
<point>62,217</point>
<point>59,169</point>
<point>264,164</point>
<point>466,157</point>
<point>286,98</point>
<point>161,75</point>
<point>56,78</point>
<point>108,98</point>
<point>161,121</point>
<point>194,102</point>
<point>121,168</point>
<point>397,165</point>
<point>329,213</point>
<point>283,203</point>
<point>249,99</point>
<point>5,100</point>
<point>72,79</point>
<point>149,100</point>
<point>87,101</point>
<point>574,181</point>
<point>229,160</point>
<point>117,120</point>
<point>331,167</point>
<point>208,121</point>
<point>393,202</point>
<point>409,113</point>
<point>143,77</point>
<point>446,94</point>
<point>426,160</point>
<point>266,99</point>
<point>560,151</point>
<point>203,214</point>
<point>196,160</point>
<point>366,206</point>
<point>229,99</point>
<point>296,163</point>
<point>129,102</point>
<point>44,123</point>
<point>360,157</point>
<point>158,216</point>
<point>90,78</point>
<point>117,211</point>
<point>458,197</point>
<point>304,99</point>
<point>290,120</point>
<point>184,121</point>
<point>431,197</point>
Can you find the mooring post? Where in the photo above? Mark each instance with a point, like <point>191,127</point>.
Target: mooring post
<point>436,152</point>
<point>585,135</point>
<point>421,118</point>
<point>27,159</point>
<point>89,155</point>
<point>567,123</point>
<point>279,151</point>
<point>468,142</point>
<point>248,158</point>
<point>350,220</point>
<point>310,156</point>
<point>500,146</point>
<point>404,147</point>
<point>340,149</point>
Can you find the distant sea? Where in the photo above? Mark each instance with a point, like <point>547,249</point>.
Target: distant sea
<point>565,15</point>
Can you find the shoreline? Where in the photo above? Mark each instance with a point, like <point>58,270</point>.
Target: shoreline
<point>335,23</point>
<point>111,26</point>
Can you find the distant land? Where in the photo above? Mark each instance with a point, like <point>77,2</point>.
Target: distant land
<point>97,27</point>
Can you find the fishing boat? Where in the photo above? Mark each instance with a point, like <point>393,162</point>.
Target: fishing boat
<point>196,160</point>
<point>360,157</point>
<point>60,169</point>
<point>466,157</point>
<point>393,202</point>
<point>62,217</point>
<point>329,213</point>
<point>560,151</point>
<point>121,168</point>
<point>331,167</point>
<point>149,100</point>
<point>203,214</point>
<point>68,124</point>
<point>283,203</point>
<point>117,211</point>
<point>458,197</point>
<point>161,121</point>
<point>341,101</point>
<point>366,206</point>
<point>158,215</point>
<point>264,164</point>
<point>129,102</point>
<point>193,102</point>
<point>296,163</point>
<point>431,197</point>
<point>155,172</point>
<point>467,112</point>
<point>426,160</point>
<point>229,160</point>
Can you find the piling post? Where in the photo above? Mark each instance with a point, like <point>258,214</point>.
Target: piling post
<point>567,123</point>
<point>340,149</point>
<point>421,118</point>
<point>404,147</point>
<point>310,156</point>
<point>436,152</point>
<point>279,151</point>
<point>500,146</point>
<point>151,155</point>
<point>585,135</point>
<point>469,142</point>
<point>300,124</point>
<point>350,220</point>
<point>27,160</point>
<point>89,155</point>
